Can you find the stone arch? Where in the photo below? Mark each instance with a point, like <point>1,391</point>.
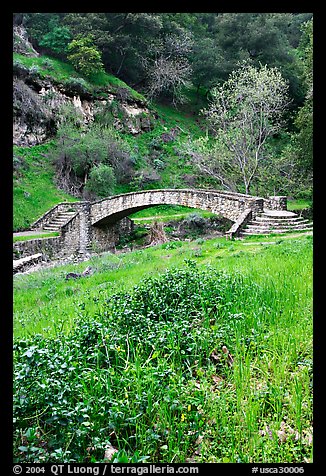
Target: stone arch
<point>227,204</point>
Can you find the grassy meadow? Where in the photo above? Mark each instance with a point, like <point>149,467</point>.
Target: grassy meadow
<point>195,351</point>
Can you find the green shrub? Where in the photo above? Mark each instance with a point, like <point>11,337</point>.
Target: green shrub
<point>77,152</point>
<point>114,366</point>
<point>84,56</point>
<point>77,86</point>
<point>101,180</point>
<point>56,40</point>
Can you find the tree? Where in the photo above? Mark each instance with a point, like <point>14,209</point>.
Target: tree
<point>122,38</point>
<point>101,180</point>
<point>56,40</point>
<point>84,56</point>
<point>304,118</point>
<point>169,70</point>
<point>242,114</point>
<point>207,63</point>
<point>264,38</point>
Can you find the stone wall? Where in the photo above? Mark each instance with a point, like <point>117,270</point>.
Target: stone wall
<point>70,236</point>
<point>242,220</point>
<point>52,247</point>
<point>22,264</point>
<point>276,202</point>
<point>49,247</point>
<point>105,237</point>
<point>77,236</point>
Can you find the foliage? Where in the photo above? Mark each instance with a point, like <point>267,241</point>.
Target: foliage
<point>101,180</point>
<point>130,43</point>
<point>142,369</point>
<point>84,56</point>
<point>168,78</point>
<point>169,69</point>
<point>264,38</point>
<point>304,117</point>
<point>281,173</point>
<point>61,72</point>
<point>78,150</point>
<point>243,113</point>
<point>29,107</point>
<point>34,190</point>
<point>40,24</point>
<point>56,40</point>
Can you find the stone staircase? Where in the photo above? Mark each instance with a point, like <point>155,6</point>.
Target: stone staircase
<point>59,220</point>
<point>275,221</point>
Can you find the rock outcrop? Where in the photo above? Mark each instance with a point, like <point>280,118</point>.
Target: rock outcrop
<point>21,43</point>
<point>38,100</point>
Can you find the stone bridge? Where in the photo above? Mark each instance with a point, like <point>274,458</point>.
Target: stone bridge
<point>97,225</point>
<point>228,205</point>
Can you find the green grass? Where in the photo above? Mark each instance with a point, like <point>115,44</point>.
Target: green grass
<point>298,204</point>
<point>152,151</point>
<point>34,292</point>
<point>132,356</point>
<point>62,72</point>
<point>34,188</point>
<point>47,66</point>
<point>33,237</point>
<point>161,213</point>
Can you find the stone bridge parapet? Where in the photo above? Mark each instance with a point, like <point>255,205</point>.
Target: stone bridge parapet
<point>227,204</point>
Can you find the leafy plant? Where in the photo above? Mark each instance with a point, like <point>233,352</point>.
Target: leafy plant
<point>84,56</point>
<point>179,356</point>
<point>56,40</point>
<point>101,180</point>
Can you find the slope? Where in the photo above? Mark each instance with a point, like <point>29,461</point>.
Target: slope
<point>157,162</point>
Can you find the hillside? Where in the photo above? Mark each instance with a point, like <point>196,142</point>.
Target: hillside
<point>152,133</point>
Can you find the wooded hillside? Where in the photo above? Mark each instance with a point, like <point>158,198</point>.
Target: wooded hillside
<point>131,101</point>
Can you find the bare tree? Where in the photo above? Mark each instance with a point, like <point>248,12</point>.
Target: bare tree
<point>169,70</point>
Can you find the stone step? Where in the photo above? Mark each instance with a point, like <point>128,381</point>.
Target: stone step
<point>278,213</point>
<point>276,221</point>
<point>267,232</point>
<point>284,220</point>
<point>58,221</point>
<point>274,230</point>
<point>64,217</point>
<point>67,214</point>
<point>265,218</point>
<point>50,227</point>
<point>270,226</point>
